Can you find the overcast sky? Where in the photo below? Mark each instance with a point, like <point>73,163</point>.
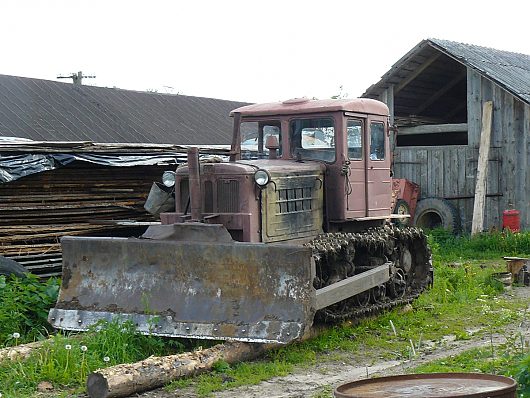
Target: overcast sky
<point>255,51</point>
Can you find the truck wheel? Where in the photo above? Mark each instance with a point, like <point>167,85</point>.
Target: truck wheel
<point>401,208</point>
<point>10,267</point>
<point>437,213</point>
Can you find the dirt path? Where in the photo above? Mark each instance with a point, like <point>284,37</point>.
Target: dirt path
<point>320,379</point>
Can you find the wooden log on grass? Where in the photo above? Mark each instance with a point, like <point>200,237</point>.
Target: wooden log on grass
<point>21,351</point>
<point>153,372</point>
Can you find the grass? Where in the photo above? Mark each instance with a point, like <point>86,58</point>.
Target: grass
<point>24,310</point>
<point>464,297</point>
<point>447,247</point>
<point>485,360</point>
<point>66,360</point>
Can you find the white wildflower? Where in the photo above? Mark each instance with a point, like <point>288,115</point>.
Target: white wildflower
<point>67,347</point>
<point>106,359</point>
<point>84,348</point>
<point>16,335</point>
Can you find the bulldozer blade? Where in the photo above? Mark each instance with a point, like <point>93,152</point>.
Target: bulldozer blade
<point>224,291</point>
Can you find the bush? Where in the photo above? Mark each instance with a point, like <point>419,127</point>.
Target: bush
<point>24,310</point>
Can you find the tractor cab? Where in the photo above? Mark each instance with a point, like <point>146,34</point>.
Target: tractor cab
<point>349,137</point>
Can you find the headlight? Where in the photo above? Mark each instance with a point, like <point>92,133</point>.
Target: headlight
<point>168,178</point>
<point>261,177</point>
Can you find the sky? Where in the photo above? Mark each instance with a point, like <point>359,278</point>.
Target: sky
<point>253,51</point>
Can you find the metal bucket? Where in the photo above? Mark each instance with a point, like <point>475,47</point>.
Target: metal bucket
<point>431,385</point>
<point>160,199</point>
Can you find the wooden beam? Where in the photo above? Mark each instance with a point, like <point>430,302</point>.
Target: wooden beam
<point>457,79</point>
<point>482,169</point>
<point>417,72</point>
<point>433,129</point>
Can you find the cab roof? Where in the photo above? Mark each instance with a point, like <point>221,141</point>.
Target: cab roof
<point>305,105</point>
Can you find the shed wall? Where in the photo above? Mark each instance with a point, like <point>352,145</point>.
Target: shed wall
<point>450,171</point>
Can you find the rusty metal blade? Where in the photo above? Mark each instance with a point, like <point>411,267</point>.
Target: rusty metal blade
<point>233,291</point>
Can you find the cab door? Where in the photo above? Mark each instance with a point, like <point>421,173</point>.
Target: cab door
<point>356,173</point>
<point>378,181</point>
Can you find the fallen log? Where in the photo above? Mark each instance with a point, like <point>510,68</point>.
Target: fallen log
<point>21,351</point>
<point>153,372</point>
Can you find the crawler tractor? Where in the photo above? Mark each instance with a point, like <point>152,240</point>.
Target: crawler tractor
<point>293,229</point>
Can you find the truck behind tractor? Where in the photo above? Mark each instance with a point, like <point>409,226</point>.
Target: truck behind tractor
<point>292,229</point>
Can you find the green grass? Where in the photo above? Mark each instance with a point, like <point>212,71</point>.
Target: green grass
<point>24,309</point>
<point>446,247</point>
<point>486,360</point>
<point>66,360</point>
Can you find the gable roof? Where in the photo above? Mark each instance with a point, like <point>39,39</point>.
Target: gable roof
<point>507,69</point>
<point>44,110</point>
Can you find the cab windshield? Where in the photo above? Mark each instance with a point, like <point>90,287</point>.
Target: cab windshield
<point>254,137</point>
<point>313,139</point>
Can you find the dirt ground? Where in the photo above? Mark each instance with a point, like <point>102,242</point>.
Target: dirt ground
<point>321,379</point>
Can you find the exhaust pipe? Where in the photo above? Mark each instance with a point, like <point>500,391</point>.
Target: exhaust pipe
<point>195,184</point>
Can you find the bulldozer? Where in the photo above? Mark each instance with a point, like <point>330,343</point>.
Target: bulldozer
<point>293,229</point>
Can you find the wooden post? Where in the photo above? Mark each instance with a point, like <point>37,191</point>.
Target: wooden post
<point>482,169</point>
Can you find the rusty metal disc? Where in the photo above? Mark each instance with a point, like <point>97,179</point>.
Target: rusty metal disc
<point>431,385</point>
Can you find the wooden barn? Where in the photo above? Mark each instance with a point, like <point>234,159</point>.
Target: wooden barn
<point>438,94</point>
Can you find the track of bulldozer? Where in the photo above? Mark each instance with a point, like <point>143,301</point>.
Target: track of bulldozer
<point>341,255</point>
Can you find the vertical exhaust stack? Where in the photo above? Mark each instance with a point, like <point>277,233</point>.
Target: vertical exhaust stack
<point>195,184</point>
<point>236,138</point>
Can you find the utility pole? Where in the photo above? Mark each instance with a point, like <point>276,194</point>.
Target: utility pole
<point>77,78</point>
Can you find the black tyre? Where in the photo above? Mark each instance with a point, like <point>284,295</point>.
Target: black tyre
<point>401,208</point>
<point>437,213</point>
<point>10,267</point>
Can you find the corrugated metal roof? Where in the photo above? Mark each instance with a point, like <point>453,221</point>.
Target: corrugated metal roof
<point>45,110</point>
<point>509,70</point>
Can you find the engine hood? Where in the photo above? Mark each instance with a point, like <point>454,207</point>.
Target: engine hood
<point>249,167</point>
<point>279,166</point>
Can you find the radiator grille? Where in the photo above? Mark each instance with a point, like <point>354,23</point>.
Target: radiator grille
<point>208,197</point>
<point>228,196</point>
<point>294,200</point>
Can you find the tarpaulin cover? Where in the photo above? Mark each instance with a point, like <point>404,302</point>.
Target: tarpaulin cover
<point>13,167</point>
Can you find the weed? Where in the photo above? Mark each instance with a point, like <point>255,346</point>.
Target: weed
<point>25,303</point>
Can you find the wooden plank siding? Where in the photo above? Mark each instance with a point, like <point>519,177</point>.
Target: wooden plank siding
<point>450,171</point>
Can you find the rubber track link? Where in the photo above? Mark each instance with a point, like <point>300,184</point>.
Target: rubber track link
<point>341,255</point>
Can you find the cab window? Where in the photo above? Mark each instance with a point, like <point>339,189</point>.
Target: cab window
<point>254,137</point>
<point>377,141</point>
<point>313,139</point>
<point>355,139</point>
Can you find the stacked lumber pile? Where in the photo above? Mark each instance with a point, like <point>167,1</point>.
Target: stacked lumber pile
<point>78,199</point>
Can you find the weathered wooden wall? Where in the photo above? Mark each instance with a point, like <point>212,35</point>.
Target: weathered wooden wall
<point>450,171</point>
